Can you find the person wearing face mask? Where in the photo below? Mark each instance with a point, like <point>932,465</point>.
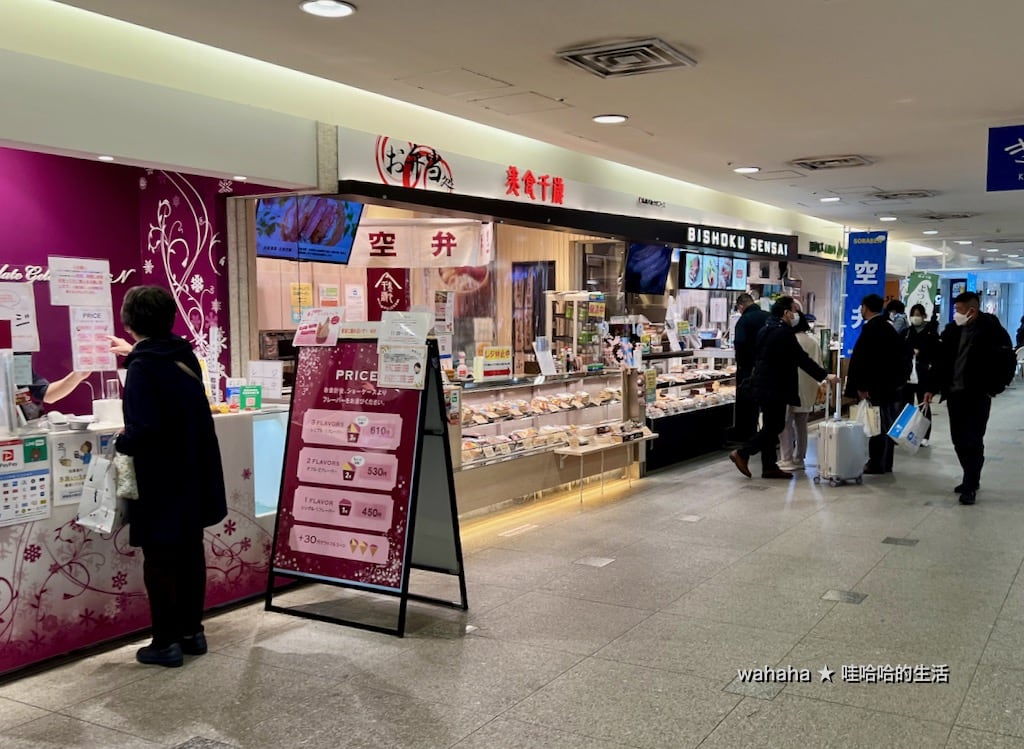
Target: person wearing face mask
<point>793,440</point>
<point>752,320</point>
<point>879,369</point>
<point>774,385</point>
<point>974,363</point>
<point>922,341</point>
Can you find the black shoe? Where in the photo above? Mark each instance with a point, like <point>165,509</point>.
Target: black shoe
<point>194,645</point>
<point>171,656</point>
<point>873,471</point>
<point>961,488</point>
<point>968,498</point>
<point>776,473</point>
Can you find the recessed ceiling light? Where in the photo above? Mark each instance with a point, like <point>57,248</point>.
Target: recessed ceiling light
<point>964,241</point>
<point>1013,256</point>
<point>747,169</point>
<point>105,158</point>
<point>931,231</point>
<point>328,8</point>
<point>887,218</point>
<point>239,178</point>
<point>993,249</point>
<point>610,119</point>
<point>836,199</point>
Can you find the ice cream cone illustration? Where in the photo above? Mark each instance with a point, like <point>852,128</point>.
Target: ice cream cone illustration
<point>373,550</point>
<point>348,472</point>
<point>353,433</point>
<point>344,508</point>
<point>362,547</point>
<point>322,329</point>
<point>353,545</point>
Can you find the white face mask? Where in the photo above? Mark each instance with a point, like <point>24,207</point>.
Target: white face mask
<point>917,320</point>
<point>796,320</point>
<point>960,318</point>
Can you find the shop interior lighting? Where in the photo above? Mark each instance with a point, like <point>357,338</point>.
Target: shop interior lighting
<point>239,178</point>
<point>964,241</point>
<point>1014,256</point>
<point>931,232</point>
<point>328,8</point>
<point>835,199</point>
<point>996,249</point>
<point>887,218</point>
<point>610,119</point>
<point>747,169</point>
<point>105,158</point>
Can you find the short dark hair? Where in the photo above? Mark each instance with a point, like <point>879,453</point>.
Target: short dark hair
<point>148,311</point>
<point>782,305</point>
<point>917,307</point>
<point>873,302</point>
<point>895,305</point>
<point>744,300</point>
<point>968,298</point>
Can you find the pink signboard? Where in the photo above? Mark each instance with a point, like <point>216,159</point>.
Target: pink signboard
<point>348,473</point>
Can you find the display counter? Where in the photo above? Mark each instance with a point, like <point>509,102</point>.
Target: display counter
<point>63,588</point>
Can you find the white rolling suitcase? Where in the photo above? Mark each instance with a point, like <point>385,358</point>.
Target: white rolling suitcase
<point>842,449</point>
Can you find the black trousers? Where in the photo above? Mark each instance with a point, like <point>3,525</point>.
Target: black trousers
<point>773,421</point>
<point>175,578</point>
<point>914,395</point>
<point>745,419</point>
<point>968,420</point>
<point>881,449</point>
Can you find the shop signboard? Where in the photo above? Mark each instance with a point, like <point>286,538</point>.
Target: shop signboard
<point>426,243</point>
<point>1005,158</point>
<point>24,480</point>
<point>365,467</point>
<point>923,289</point>
<point>91,328</point>
<point>387,291</point>
<point>865,274</point>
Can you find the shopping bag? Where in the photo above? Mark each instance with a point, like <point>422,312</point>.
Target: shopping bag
<point>99,509</point>
<point>910,427</point>
<point>913,373</point>
<point>869,417</point>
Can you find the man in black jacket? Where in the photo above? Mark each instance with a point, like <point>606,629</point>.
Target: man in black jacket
<point>975,362</point>
<point>879,368</point>
<point>752,320</point>
<point>774,385</point>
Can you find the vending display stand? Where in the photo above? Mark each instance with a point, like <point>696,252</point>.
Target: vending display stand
<point>367,492</point>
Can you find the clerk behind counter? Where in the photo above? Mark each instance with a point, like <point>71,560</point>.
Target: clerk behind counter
<point>42,391</point>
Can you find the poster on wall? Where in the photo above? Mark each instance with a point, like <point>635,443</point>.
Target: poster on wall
<point>90,344</point>
<point>24,480</point>
<point>355,302</point>
<point>739,275</point>
<point>18,304</point>
<point>318,327</point>
<point>529,282</point>
<point>71,453</point>
<point>344,512</point>
<point>79,282</point>
<point>692,269</point>
<point>329,295</point>
<point>300,296</point>
<point>865,274</point>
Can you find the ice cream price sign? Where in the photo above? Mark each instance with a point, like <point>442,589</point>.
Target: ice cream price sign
<point>90,344</point>
<point>349,470</point>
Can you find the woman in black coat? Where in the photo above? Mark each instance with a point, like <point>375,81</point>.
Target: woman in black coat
<point>923,341</point>
<point>169,433</point>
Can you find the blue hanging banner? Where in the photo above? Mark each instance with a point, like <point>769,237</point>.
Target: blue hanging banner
<point>865,274</point>
<point>1006,158</point>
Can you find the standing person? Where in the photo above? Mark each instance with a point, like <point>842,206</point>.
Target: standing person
<point>752,320</point>
<point>975,363</point>
<point>1020,334</point>
<point>879,370</point>
<point>169,433</point>
<point>774,386</point>
<point>793,440</point>
<point>922,341</point>
<point>896,310</point>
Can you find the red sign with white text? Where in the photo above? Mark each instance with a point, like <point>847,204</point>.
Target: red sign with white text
<point>387,290</point>
<point>344,510</point>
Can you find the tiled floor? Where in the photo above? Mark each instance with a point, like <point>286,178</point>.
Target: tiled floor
<point>711,574</point>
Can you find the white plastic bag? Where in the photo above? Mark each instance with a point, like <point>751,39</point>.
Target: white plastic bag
<point>913,373</point>
<point>99,509</point>
<point>869,417</point>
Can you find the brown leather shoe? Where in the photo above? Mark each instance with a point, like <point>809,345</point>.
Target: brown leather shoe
<point>776,473</point>
<point>740,462</point>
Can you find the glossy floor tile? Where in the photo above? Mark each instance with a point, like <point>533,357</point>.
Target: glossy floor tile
<point>692,611</point>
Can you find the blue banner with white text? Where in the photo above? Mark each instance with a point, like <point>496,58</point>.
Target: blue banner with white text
<point>865,274</point>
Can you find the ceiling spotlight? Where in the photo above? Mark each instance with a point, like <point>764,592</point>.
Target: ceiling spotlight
<point>994,249</point>
<point>328,8</point>
<point>105,158</point>
<point>887,218</point>
<point>931,232</point>
<point>1014,256</point>
<point>964,241</point>
<point>747,169</point>
<point>610,119</point>
<point>835,199</point>
<point>239,178</point>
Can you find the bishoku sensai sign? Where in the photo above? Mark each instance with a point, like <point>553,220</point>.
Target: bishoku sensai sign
<point>736,240</point>
<point>1005,158</point>
<point>865,274</point>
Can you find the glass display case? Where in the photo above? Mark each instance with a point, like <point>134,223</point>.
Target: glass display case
<point>574,327</point>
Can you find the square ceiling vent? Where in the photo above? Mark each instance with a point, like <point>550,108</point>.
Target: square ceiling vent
<point>633,57</point>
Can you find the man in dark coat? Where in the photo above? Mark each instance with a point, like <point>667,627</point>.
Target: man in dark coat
<point>774,385</point>
<point>974,363</point>
<point>169,433</point>
<point>752,320</point>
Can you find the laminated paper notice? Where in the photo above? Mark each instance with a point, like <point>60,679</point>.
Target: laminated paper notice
<point>402,367</point>
<point>79,282</point>
<point>90,344</point>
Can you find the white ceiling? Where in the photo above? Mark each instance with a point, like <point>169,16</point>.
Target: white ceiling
<point>913,85</point>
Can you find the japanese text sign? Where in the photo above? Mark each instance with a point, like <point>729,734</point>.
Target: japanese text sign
<point>865,274</point>
<point>78,282</point>
<point>1006,158</point>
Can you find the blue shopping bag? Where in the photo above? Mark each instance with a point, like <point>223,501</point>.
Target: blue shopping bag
<point>910,428</point>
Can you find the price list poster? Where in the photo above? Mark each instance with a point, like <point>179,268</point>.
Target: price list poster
<point>349,473</point>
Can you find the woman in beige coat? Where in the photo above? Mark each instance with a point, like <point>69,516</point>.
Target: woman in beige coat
<point>793,440</point>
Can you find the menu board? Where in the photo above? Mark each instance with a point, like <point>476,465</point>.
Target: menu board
<point>739,275</point>
<point>307,227</point>
<point>349,469</point>
<point>91,328</point>
<point>24,480</point>
<point>710,272</point>
<point>691,271</point>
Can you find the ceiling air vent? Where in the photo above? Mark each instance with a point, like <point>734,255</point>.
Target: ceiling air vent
<point>948,215</point>
<point>631,57</point>
<point>819,163</point>
<point>903,194</point>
